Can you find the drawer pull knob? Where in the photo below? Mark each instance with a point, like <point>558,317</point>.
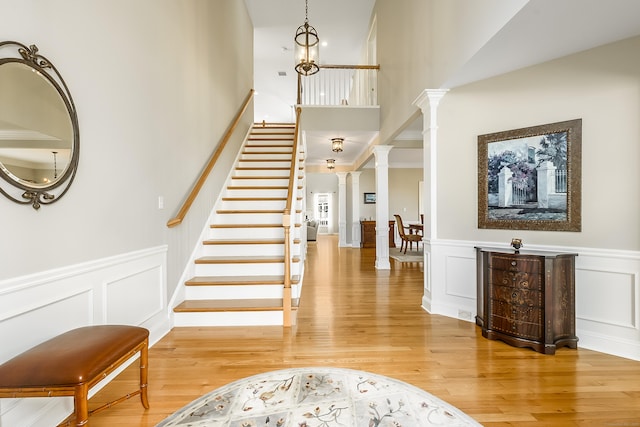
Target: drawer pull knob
<point>514,263</point>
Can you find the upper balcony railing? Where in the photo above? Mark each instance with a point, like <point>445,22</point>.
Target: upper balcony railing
<point>355,85</point>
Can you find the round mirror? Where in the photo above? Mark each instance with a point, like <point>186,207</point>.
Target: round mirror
<point>38,129</point>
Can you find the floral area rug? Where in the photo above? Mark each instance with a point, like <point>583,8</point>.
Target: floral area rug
<point>410,256</point>
<point>314,397</point>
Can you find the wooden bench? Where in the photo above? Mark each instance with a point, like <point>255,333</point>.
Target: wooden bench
<point>72,363</point>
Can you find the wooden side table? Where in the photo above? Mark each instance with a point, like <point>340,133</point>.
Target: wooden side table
<point>368,234</point>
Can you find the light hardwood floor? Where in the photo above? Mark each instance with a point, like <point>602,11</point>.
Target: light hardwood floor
<point>353,316</point>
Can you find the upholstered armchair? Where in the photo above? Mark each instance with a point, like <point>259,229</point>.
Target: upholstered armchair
<point>312,231</point>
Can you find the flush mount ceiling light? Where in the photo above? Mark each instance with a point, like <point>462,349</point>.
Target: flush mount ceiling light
<point>307,49</point>
<point>331,163</point>
<point>337,144</point>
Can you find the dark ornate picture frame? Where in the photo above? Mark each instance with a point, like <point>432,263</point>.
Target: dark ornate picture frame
<point>530,178</point>
<point>369,198</point>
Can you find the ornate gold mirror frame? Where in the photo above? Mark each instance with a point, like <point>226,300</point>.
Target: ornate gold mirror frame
<point>39,137</point>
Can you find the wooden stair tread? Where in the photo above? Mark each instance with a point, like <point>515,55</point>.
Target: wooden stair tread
<point>267,153</point>
<point>246,168</point>
<point>265,160</point>
<point>244,242</point>
<point>249,211</point>
<point>274,304</point>
<point>257,187</point>
<point>248,225</point>
<point>256,199</point>
<point>265,259</point>
<point>260,177</point>
<point>247,242</point>
<point>239,280</point>
<point>287,140</point>
<point>269,146</point>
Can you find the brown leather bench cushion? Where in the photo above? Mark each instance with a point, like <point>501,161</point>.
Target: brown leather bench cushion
<point>72,358</point>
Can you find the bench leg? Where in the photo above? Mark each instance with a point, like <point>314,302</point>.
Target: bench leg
<point>144,357</point>
<point>81,404</point>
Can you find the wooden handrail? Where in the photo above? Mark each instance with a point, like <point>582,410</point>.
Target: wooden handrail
<point>286,224</point>
<point>292,172</point>
<point>212,161</point>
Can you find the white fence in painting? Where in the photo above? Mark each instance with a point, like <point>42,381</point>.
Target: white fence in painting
<point>551,188</point>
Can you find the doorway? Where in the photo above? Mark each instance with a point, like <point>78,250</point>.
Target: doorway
<point>322,208</point>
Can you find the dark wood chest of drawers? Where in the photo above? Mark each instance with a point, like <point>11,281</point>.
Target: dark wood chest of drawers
<point>368,234</point>
<point>527,299</point>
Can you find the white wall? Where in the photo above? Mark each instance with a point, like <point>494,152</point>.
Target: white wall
<point>156,83</point>
<point>420,43</point>
<point>601,87</point>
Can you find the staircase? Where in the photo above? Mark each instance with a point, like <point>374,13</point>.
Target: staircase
<point>239,272</point>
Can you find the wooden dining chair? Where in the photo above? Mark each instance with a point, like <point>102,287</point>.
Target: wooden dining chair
<point>407,238</point>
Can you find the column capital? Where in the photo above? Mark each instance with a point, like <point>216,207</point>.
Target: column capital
<point>381,153</point>
<point>429,98</point>
<point>342,176</point>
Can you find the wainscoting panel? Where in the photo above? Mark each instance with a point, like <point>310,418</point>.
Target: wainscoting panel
<point>136,298</point>
<point>126,289</point>
<point>617,289</point>
<point>458,278</point>
<point>453,280</point>
<point>607,291</point>
<point>57,316</point>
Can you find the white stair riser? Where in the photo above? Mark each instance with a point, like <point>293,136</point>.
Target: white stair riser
<point>234,292</point>
<point>267,157</point>
<point>230,318</point>
<point>255,148</point>
<point>260,182</point>
<point>252,172</point>
<point>244,269</point>
<point>250,218</point>
<point>272,133</point>
<point>267,165</point>
<point>246,233</point>
<point>280,136</point>
<point>255,193</point>
<point>252,233</point>
<point>243,250</point>
<point>253,204</point>
<point>238,269</point>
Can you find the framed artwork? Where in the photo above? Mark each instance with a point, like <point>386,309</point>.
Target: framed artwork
<point>369,198</point>
<point>530,178</point>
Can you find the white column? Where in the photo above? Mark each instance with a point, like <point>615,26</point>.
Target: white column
<point>546,183</point>
<point>381,153</point>
<point>428,102</point>
<point>505,187</point>
<point>355,209</point>
<point>342,209</point>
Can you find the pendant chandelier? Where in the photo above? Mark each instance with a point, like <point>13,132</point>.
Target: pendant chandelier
<point>337,144</point>
<point>331,163</point>
<point>307,49</point>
